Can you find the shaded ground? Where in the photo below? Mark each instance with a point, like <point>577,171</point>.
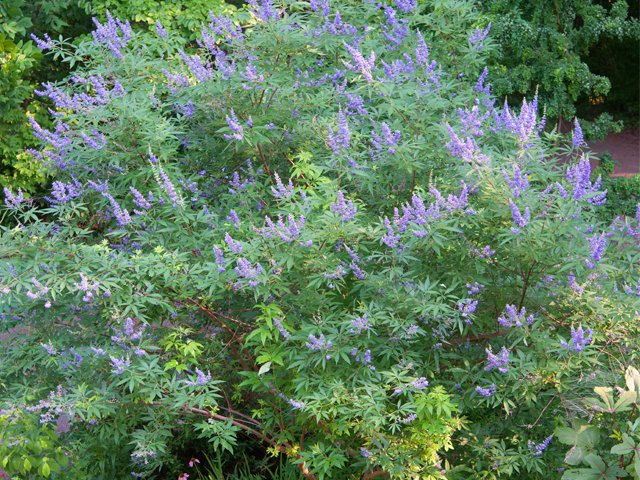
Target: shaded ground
<point>624,148</point>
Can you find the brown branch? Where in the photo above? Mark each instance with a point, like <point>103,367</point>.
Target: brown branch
<point>212,314</point>
<point>282,448</point>
<point>264,161</point>
<point>525,286</point>
<point>375,474</point>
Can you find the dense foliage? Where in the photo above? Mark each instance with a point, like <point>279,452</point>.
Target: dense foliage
<point>545,46</point>
<point>320,236</point>
<point>23,68</point>
<point>569,51</point>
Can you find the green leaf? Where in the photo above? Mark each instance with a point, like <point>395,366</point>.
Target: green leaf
<point>595,462</point>
<point>625,401</point>
<point>582,474</point>
<point>566,435</point>
<point>264,368</point>
<point>632,379</point>
<point>627,446</point>
<point>606,394</point>
<point>575,456</point>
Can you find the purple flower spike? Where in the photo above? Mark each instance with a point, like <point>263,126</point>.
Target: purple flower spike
<point>121,215</point>
<point>387,140</point>
<point>578,176</point>
<point>139,201</point>
<point>364,66</point>
<point>577,137</point>
<point>283,331</point>
<point>220,261</point>
<point>597,245</point>
<point>518,182</point>
<point>478,36</point>
<point>169,188</point>
<point>346,209</point>
<point>236,128</point>
<point>13,201</point>
<point>200,70</point>
<point>520,219</point>
<point>360,324</point>
<point>280,191</point>
<point>578,339</point>
<point>514,317</point>
<point>264,10</point>
<point>499,361</point>
<point>390,239</point>
<point>486,392</point>
<point>234,246</point>
<point>46,44</point>
<point>201,379</point>
<point>321,6</point>
<point>114,34</point>
<point>160,30</point>
<point>536,449</point>
<point>318,343</point>
<point>406,5</point>
<point>341,139</point>
<point>119,364</point>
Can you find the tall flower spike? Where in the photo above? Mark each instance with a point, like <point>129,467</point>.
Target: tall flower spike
<point>121,215</point>
<point>578,339</point>
<point>525,125</point>
<point>486,392</point>
<point>536,449</point>
<point>169,188</point>
<point>364,66</point>
<point>46,44</point>
<point>467,150</point>
<point>235,247</point>
<point>480,86</point>
<point>390,239</point>
<point>514,317</point>
<point>341,139</point>
<point>518,182</point>
<point>346,209</point>
<point>63,192</point>
<point>234,125</point>
<point>578,176</point>
<point>478,36</point>
<point>406,5</point>
<point>13,201</point>
<point>394,30</point>
<point>114,34</point>
<point>422,51</point>
<point>499,361</point>
<point>597,245</point>
<point>220,261</point>
<point>321,6</point>
<point>245,270</point>
<point>197,67</point>
<point>387,140</point>
<point>281,191</point>
<point>160,30</point>
<point>577,137</point>
<point>264,10</point>
<point>521,220</point>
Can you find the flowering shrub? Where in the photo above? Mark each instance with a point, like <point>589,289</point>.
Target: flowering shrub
<point>318,234</point>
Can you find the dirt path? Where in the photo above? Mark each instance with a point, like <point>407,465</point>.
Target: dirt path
<point>624,148</point>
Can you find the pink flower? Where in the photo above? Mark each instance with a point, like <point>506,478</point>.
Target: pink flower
<point>193,461</point>
<point>184,476</point>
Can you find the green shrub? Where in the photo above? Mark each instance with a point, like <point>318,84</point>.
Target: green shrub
<point>314,237</point>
